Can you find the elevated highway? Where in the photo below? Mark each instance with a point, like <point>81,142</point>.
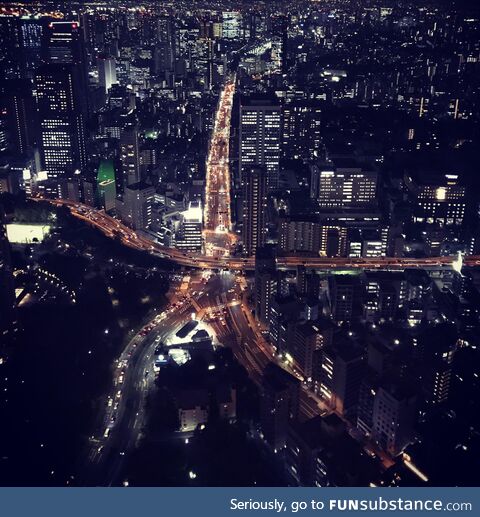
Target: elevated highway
<point>114,229</point>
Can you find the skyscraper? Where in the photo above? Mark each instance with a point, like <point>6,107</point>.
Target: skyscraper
<point>16,108</point>
<point>136,208</point>
<point>61,120</point>
<point>63,44</point>
<point>31,31</point>
<point>107,72</point>
<point>255,205</point>
<point>191,229</point>
<point>129,155</point>
<point>260,137</point>
<point>279,402</point>
<point>62,99</point>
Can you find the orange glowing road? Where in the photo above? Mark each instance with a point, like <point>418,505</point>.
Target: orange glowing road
<point>113,228</point>
<point>217,236</point>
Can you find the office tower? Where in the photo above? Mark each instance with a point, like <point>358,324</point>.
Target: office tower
<point>62,100</point>
<point>61,120</point>
<point>189,237</point>
<point>129,155</point>
<point>339,374</point>
<point>437,199</point>
<point>254,209</point>
<point>7,290</point>
<point>107,72</point>
<point>345,186</point>
<point>136,207</point>
<point>279,402</point>
<point>16,105</point>
<point>63,44</point>
<point>260,137</point>
<point>31,34</point>
<point>301,122</point>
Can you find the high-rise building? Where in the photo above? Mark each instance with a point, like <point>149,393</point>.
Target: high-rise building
<point>163,58</point>
<point>260,137</point>
<point>31,34</point>
<point>266,283</point>
<point>394,413</point>
<point>63,44</point>
<point>284,311</point>
<point>61,120</point>
<point>136,207</point>
<point>16,110</point>
<point>129,155</point>
<point>307,338</point>
<point>190,234</point>
<point>279,402</point>
<point>107,72</point>
<point>339,374</point>
<point>254,209</point>
<point>386,412</point>
<point>436,349</point>
<point>61,91</point>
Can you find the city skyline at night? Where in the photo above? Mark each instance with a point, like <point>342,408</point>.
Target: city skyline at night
<point>239,243</point>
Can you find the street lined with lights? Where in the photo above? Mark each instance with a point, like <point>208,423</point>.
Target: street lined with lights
<point>217,236</point>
